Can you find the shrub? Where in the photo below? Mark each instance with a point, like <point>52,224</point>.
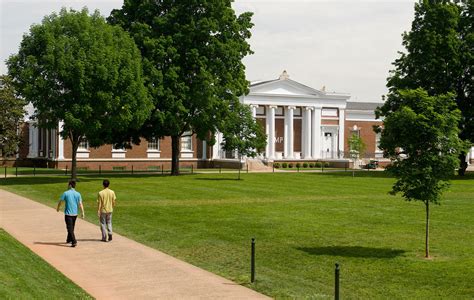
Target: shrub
<point>326,165</point>
<point>276,165</point>
<point>318,164</point>
<point>298,165</point>
<point>284,165</point>
<point>311,165</point>
<point>290,165</point>
<point>305,165</point>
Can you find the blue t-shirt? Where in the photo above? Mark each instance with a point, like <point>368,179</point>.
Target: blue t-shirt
<point>72,200</point>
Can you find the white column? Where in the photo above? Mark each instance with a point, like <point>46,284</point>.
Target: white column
<point>254,110</point>
<point>316,133</point>
<point>215,147</point>
<point>34,140</point>
<point>60,141</point>
<point>290,138</point>
<point>307,133</point>
<point>271,132</point>
<point>341,129</point>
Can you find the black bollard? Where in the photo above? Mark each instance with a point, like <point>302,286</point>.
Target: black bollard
<point>16,171</point>
<point>34,171</point>
<point>336,283</point>
<point>100,170</point>
<point>66,171</point>
<point>5,171</point>
<point>252,261</point>
<point>132,169</point>
<point>220,169</point>
<point>192,169</point>
<point>162,169</point>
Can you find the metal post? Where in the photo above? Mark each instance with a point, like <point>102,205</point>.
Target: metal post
<point>132,169</point>
<point>252,261</point>
<point>336,284</point>
<point>66,171</point>
<point>16,171</point>
<point>5,171</point>
<point>273,166</point>
<point>239,173</point>
<point>220,169</point>
<point>192,169</point>
<point>162,169</point>
<point>100,169</point>
<point>34,171</point>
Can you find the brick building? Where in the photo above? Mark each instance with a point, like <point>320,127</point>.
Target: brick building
<point>301,123</point>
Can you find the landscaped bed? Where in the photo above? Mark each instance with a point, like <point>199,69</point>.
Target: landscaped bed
<point>303,224</point>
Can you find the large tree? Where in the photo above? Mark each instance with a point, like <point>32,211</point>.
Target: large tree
<point>192,59</point>
<point>12,108</point>
<point>439,58</point>
<point>421,137</point>
<point>76,68</point>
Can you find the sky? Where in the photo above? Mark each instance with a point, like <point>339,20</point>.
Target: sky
<point>347,46</point>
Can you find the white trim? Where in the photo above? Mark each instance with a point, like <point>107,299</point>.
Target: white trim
<point>153,153</point>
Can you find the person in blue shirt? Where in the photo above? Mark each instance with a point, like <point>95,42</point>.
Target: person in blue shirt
<point>72,201</point>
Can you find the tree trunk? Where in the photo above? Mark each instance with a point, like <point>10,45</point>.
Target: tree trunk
<point>75,145</point>
<point>463,164</point>
<point>175,155</point>
<point>427,238</point>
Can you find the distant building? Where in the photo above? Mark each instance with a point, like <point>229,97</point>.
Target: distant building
<point>302,124</point>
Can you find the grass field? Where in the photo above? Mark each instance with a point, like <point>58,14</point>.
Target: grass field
<point>303,224</point>
<point>24,275</point>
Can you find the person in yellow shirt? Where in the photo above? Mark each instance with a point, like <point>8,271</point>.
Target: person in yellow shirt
<point>105,207</point>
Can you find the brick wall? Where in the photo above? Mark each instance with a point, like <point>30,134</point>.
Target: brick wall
<point>366,133</point>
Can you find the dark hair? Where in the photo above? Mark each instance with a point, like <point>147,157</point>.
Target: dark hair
<point>72,183</point>
<point>106,183</point>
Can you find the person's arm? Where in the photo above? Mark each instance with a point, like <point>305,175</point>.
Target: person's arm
<point>59,205</point>
<point>99,205</point>
<point>113,202</point>
<point>82,209</point>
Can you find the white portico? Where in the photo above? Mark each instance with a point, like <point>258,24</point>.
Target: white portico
<point>300,122</point>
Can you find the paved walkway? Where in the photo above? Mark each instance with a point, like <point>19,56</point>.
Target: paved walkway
<point>121,269</point>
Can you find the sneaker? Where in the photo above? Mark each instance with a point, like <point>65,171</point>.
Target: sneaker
<point>110,237</point>
<point>103,240</point>
<point>74,245</point>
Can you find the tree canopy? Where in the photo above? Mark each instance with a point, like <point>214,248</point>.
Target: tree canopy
<point>192,59</point>
<point>76,68</point>
<point>422,140</point>
<point>10,118</point>
<point>439,58</point>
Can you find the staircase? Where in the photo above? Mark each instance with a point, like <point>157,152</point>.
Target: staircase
<point>257,165</point>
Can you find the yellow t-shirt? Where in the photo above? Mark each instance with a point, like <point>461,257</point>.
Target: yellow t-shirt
<point>106,199</point>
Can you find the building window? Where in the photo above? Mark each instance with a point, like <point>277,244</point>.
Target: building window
<point>297,112</point>
<point>187,142</point>
<point>279,111</point>
<point>260,111</point>
<point>154,144</point>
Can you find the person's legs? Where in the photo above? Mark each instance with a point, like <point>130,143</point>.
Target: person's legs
<point>109,225</point>
<point>103,230</point>
<point>66,220</point>
<point>70,223</point>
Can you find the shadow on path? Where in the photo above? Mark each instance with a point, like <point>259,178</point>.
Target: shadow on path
<point>353,251</point>
<point>63,244</point>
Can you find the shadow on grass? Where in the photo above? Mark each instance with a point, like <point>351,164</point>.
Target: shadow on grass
<point>40,180</point>
<point>219,179</point>
<point>353,251</point>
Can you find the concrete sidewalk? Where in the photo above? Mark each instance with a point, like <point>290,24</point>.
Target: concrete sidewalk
<point>121,269</point>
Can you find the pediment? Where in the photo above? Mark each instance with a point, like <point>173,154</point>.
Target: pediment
<point>284,87</point>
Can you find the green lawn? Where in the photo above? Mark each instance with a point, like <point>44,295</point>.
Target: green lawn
<point>24,275</point>
<point>303,224</point>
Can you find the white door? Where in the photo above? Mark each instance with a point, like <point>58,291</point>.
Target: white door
<point>328,145</point>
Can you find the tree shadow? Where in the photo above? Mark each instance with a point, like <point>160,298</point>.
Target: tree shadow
<point>353,251</point>
<point>218,179</point>
<point>39,180</point>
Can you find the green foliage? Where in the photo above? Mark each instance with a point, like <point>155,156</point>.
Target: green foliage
<point>12,114</point>
<point>290,165</point>
<point>242,133</point>
<point>74,67</point>
<point>356,146</point>
<point>192,58</point>
<point>276,165</point>
<point>439,58</point>
<point>298,165</point>
<point>318,164</point>
<point>284,165</point>
<point>305,165</point>
<point>327,164</point>
<point>421,138</point>
<point>311,165</point>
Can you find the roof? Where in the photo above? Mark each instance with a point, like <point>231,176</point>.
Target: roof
<point>353,105</point>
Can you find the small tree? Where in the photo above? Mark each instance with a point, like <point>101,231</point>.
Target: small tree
<point>356,148</point>
<point>12,113</point>
<point>421,138</point>
<point>76,68</point>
